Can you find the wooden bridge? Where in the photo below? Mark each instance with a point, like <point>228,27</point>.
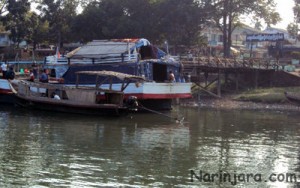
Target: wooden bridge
<point>243,73</point>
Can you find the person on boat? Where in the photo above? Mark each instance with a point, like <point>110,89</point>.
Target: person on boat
<point>171,76</point>
<point>10,74</point>
<point>34,69</point>
<point>31,76</point>
<point>4,69</point>
<point>182,79</point>
<point>44,76</point>
<point>55,96</point>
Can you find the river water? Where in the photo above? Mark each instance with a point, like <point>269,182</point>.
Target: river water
<point>210,148</point>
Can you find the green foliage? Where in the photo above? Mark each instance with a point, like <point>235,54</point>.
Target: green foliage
<point>3,6</point>
<point>296,10</point>
<point>59,14</point>
<point>266,95</point>
<point>16,20</point>
<point>227,14</point>
<point>38,30</point>
<point>295,55</point>
<point>177,21</point>
<point>293,29</point>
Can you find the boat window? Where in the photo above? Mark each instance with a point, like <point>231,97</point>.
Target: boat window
<point>160,72</point>
<point>148,52</point>
<point>53,73</point>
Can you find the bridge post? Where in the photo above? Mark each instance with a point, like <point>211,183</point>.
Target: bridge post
<point>256,78</point>
<point>206,77</point>
<point>237,77</point>
<point>219,83</point>
<point>199,81</point>
<point>272,78</point>
<point>226,78</point>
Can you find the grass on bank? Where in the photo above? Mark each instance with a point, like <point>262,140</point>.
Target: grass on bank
<point>263,95</point>
<point>266,95</point>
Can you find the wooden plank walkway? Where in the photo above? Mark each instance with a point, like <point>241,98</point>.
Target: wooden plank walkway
<point>213,64</point>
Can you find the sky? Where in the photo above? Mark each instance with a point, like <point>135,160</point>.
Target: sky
<point>285,9</point>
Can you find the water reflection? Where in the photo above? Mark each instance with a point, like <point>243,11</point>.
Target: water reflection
<point>52,149</point>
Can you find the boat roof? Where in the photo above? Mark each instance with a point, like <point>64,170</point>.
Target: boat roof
<point>99,48</point>
<point>119,75</point>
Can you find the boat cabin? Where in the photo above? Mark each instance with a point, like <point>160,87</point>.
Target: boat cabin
<point>130,56</point>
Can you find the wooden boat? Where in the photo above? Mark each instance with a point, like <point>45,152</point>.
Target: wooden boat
<point>79,99</point>
<point>293,97</point>
<point>7,92</point>
<point>130,56</point>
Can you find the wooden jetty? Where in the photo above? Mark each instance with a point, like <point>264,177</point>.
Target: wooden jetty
<point>243,73</point>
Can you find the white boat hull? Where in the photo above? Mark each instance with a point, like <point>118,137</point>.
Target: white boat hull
<point>153,90</point>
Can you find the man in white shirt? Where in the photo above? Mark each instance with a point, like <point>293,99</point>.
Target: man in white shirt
<point>4,69</point>
<point>171,76</point>
<point>56,97</point>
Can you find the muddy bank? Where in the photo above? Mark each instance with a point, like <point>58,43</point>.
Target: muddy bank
<point>229,102</point>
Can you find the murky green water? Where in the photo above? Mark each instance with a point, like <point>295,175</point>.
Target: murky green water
<point>63,150</point>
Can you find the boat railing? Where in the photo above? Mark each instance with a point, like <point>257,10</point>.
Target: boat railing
<point>38,89</point>
<point>109,58</point>
<point>81,94</point>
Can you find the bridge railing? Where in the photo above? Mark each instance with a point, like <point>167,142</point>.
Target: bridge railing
<point>219,62</point>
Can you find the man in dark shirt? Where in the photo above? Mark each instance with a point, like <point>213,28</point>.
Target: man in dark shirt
<point>10,74</point>
<point>44,77</point>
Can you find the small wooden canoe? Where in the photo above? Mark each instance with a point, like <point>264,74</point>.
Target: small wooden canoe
<point>293,97</point>
<point>78,99</point>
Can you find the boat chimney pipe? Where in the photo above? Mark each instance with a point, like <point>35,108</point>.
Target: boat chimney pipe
<point>167,46</point>
<point>128,47</point>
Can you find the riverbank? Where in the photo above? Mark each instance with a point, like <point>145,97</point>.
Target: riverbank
<point>229,103</point>
<point>258,99</point>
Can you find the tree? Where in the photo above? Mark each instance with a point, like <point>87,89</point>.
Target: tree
<point>176,21</point>
<point>100,20</point>
<point>228,12</point>
<point>183,22</point>
<point>296,10</point>
<point>293,29</point>
<point>59,14</point>
<point>3,6</point>
<point>16,20</point>
<point>38,32</point>
<point>258,25</point>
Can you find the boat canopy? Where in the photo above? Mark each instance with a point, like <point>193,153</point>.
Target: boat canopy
<point>109,76</point>
<point>115,50</point>
<point>119,75</point>
<point>98,49</point>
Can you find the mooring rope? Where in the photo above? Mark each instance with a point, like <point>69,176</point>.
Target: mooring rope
<point>159,113</point>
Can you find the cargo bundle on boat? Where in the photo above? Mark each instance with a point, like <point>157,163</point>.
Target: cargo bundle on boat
<point>97,99</point>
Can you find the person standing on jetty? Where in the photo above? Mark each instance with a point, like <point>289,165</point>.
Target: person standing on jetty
<point>4,69</point>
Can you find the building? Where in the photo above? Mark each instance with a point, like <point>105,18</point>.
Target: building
<point>243,48</point>
<point>5,40</point>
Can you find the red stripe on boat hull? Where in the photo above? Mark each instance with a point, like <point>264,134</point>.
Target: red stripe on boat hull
<point>5,91</point>
<point>159,96</point>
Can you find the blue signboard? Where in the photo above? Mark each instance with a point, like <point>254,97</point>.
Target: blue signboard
<point>265,37</point>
